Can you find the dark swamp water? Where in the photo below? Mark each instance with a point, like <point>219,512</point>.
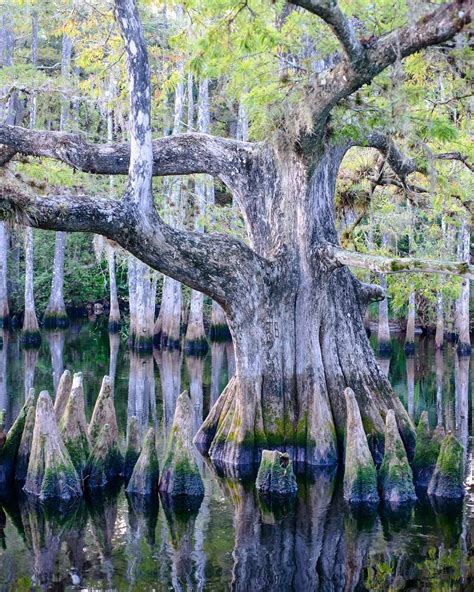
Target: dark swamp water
<point>234,540</point>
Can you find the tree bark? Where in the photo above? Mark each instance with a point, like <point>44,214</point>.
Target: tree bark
<point>31,335</point>
<point>195,341</point>
<point>4,309</point>
<point>384,343</point>
<point>114,312</point>
<point>410,329</point>
<point>464,343</point>
<point>55,315</point>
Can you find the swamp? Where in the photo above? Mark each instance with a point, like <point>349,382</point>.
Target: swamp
<point>235,295</point>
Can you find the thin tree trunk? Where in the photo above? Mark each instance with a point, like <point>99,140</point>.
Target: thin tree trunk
<point>384,343</point>
<point>217,366</point>
<point>114,313</point>
<point>410,330</point>
<point>195,341</point>
<point>439,335</point>
<point>4,308</point>
<point>55,315</point>
<point>31,335</point>
<point>30,359</point>
<point>464,343</point>
<point>439,365</point>
<point>169,322</point>
<point>410,362</point>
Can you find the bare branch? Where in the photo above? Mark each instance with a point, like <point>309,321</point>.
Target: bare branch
<point>455,156</point>
<point>337,257</point>
<point>183,154</point>
<point>343,80</point>
<point>400,164</point>
<point>330,13</point>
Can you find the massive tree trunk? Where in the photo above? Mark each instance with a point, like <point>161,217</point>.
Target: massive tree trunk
<point>298,332</point>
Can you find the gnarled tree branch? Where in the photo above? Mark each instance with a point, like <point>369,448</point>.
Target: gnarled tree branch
<point>329,12</point>
<point>343,80</point>
<point>183,154</point>
<point>337,257</point>
<point>207,263</point>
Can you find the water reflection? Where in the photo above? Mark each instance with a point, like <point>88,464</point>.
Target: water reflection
<point>236,539</point>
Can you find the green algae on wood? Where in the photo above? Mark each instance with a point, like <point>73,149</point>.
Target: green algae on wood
<point>51,473</point>
<point>104,412</point>
<point>62,394</point>
<point>105,462</point>
<point>180,476</point>
<point>24,450</point>
<point>73,426</point>
<point>275,474</point>
<point>144,479</point>
<point>9,451</point>
<point>132,450</point>
<point>360,475</point>
<point>426,451</point>
<point>448,476</point>
<point>395,476</point>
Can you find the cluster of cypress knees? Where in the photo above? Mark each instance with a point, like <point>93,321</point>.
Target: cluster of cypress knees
<point>54,453</point>
<point>438,464</point>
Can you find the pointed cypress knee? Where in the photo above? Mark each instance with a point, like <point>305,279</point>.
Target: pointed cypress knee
<point>275,474</point>
<point>448,477</point>
<point>180,476</point>
<point>360,476</point>
<point>105,462</point>
<point>144,479</point>
<point>133,447</point>
<point>104,412</point>
<point>73,426</point>
<point>395,477</point>
<point>51,473</point>
<point>9,451</point>
<point>426,451</point>
<point>24,451</point>
<point>62,394</point>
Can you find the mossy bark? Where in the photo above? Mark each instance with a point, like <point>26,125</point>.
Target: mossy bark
<point>133,447</point>
<point>395,476</point>
<point>62,394</point>
<point>24,451</point>
<point>9,451</point>
<point>51,473</point>
<point>448,477</point>
<point>105,462</point>
<point>275,474</point>
<point>426,451</point>
<point>73,426</point>
<point>181,477</point>
<point>360,475</point>
<point>144,479</point>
